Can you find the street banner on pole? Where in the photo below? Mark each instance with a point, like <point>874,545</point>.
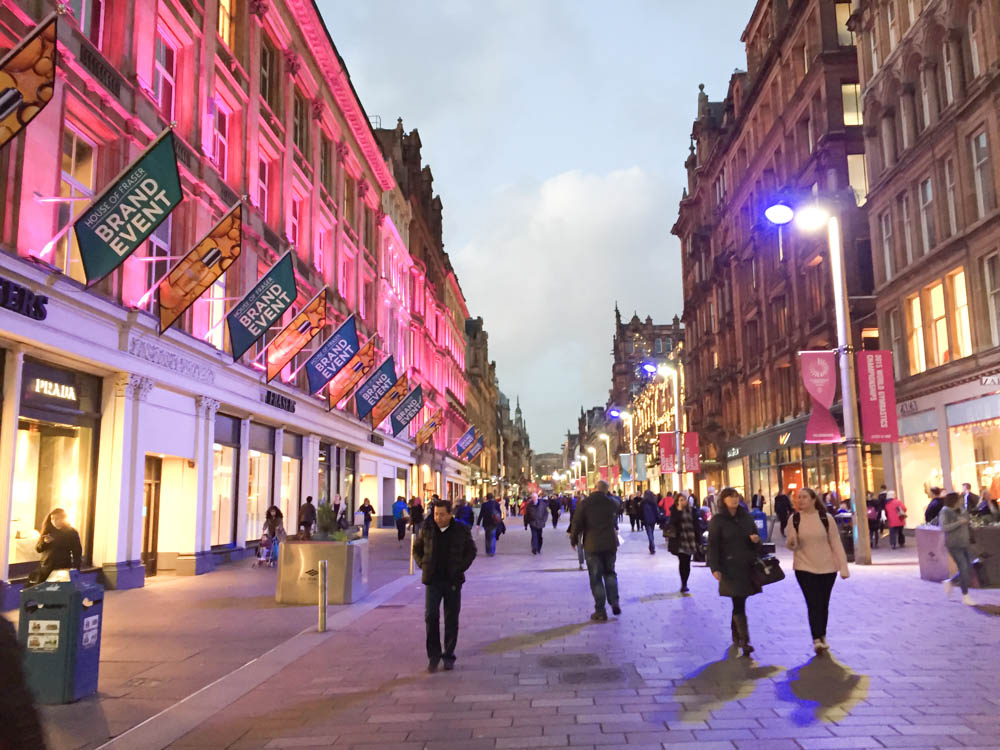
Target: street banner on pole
<point>877,392</point>
<point>262,306</point>
<point>129,210</point>
<point>692,452</point>
<point>603,471</point>
<point>200,268</point>
<point>819,375</point>
<point>407,410</point>
<point>332,355</point>
<point>625,459</point>
<point>668,448</point>
<point>351,374</point>
<point>27,79</point>
<point>372,390</point>
<point>465,441</point>
<point>393,398</point>
<point>477,448</point>
<point>299,332</point>
<point>475,439</point>
<point>640,467</point>
<point>428,428</point>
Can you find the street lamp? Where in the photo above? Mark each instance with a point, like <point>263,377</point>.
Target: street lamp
<point>810,218</point>
<point>627,419</point>
<point>586,463</point>
<point>664,371</point>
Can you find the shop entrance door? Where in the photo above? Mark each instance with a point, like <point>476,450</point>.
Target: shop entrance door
<point>791,479</point>
<point>151,513</point>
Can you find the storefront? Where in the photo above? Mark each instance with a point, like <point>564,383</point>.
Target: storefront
<point>259,477</point>
<point>225,466</point>
<point>291,479</point>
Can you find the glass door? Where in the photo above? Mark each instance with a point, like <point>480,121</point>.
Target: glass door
<point>151,512</point>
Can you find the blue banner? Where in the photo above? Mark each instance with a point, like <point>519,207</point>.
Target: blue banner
<point>465,441</point>
<point>372,390</point>
<point>333,355</point>
<point>262,306</point>
<point>408,408</point>
<point>477,448</point>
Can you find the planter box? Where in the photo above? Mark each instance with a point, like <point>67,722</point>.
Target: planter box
<point>936,564</point>
<point>298,571</point>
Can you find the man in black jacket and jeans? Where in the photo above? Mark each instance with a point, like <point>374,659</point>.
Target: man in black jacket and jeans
<point>444,550</point>
<point>596,519</point>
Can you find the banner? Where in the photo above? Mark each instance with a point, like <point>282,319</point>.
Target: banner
<point>625,460</point>
<point>299,332</point>
<point>129,209</point>
<point>465,441</point>
<point>668,452</point>
<point>819,375</point>
<point>603,470</point>
<point>640,467</point>
<point>477,448</point>
<point>407,410</point>
<point>351,374</point>
<point>877,392</point>
<point>200,268</point>
<point>333,355</point>
<point>27,79</point>
<point>475,438</point>
<point>393,398</point>
<point>692,452</point>
<point>262,306</point>
<point>372,390</point>
<point>428,428</point>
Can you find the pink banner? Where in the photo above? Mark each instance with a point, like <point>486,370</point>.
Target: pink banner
<point>692,452</point>
<point>819,375</point>
<point>668,457</point>
<point>877,393</point>
<point>604,473</point>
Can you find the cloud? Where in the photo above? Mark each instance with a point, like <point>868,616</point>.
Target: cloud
<point>545,271</point>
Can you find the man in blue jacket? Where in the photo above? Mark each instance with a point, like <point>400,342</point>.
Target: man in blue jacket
<point>490,516</point>
<point>399,512</point>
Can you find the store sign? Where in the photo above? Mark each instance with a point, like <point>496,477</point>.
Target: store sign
<point>877,394</point>
<point>991,381</point>
<point>22,300</point>
<point>167,359</point>
<point>299,332</point>
<point>279,402</point>
<point>333,355</point>
<point>819,375</point>
<point>376,439</point>
<point>407,410</point>
<point>909,407</point>
<point>465,441</point>
<point>732,453</point>
<point>54,390</point>
<point>372,390</point>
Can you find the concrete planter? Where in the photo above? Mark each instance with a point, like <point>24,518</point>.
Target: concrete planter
<point>298,571</point>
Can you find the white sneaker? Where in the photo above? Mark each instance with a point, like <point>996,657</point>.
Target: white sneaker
<point>948,586</point>
<point>966,599</point>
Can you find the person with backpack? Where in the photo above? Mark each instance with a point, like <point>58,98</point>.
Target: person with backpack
<point>819,556</point>
<point>490,518</point>
<point>874,520</point>
<point>400,515</point>
<point>895,518</point>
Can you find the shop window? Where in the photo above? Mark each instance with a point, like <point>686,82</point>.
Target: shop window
<point>325,473</point>
<point>991,273</point>
<point>959,298</point>
<point>164,74</point>
<point>950,196</point>
<point>260,469</point>
<point>158,254</point>
<point>850,93</point>
<point>227,22</point>
<point>845,37</point>
<point>888,248</point>
<point>269,88</point>
<point>223,493</point>
<point>982,174</point>
<point>300,123</point>
<point>915,335</point>
<point>291,478</point>
<point>76,183</point>
<point>938,325</point>
<point>927,234</point>
<point>857,177</point>
<point>975,456</point>
<point>89,14</point>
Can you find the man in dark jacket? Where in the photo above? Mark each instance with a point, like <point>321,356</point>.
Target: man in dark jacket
<point>596,520</point>
<point>649,514</point>
<point>444,550</point>
<point>555,508</point>
<point>535,515</point>
<point>464,513</point>
<point>307,517</point>
<point>782,509</point>
<point>490,516</point>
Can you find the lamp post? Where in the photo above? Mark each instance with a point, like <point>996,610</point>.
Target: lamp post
<point>627,419</point>
<point>607,448</point>
<point>664,371</point>
<point>593,457</point>
<point>814,217</point>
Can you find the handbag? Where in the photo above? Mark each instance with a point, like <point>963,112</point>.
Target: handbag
<point>766,570</point>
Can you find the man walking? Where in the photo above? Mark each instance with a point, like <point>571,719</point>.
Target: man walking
<point>307,517</point>
<point>490,517</point>
<point>444,550</point>
<point>594,520</point>
<point>782,509</point>
<point>555,507</point>
<point>649,512</point>
<point>535,515</point>
<point>399,515</point>
<point>970,500</point>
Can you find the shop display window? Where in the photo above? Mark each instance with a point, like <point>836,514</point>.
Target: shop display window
<point>975,455</point>
<point>260,466</point>
<point>224,494</point>
<point>920,463</point>
<point>291,473</point>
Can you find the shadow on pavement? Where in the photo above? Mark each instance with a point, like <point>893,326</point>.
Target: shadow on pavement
<point>823,689</point>
<point>528,640</point>
<point>988,609</point>
<point>660,597</point>
<point>720,682</point>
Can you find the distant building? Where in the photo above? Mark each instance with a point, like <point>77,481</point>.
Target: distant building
<point>481,406</point>
<point>636,343</point>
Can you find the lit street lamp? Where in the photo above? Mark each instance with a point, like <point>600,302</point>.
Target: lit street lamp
<point>607,447</point>
<point>811,218</point>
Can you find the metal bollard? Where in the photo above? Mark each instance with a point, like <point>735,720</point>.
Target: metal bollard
<point>323,573</point>
<point>412,538</point>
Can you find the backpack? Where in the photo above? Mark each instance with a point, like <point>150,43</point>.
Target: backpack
<point>822,517</point>
<point>872,512</point>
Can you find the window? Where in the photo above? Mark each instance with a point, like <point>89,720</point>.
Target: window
<point>269,74</point>
<point>915,335</point>
<point>77,181</point>
<point>948,66</point>
<point>658,346</point>
<point>845,37</point>
<point>350,199</point>
<point>913,11</point>
<point>896,337</point>
<point>300,123</point>
<point>326,163</point>
<point>851,95</point>
<point>904,214</point>
<point>857,177</point>
<point>873,42</point>
<point>893,22</point>
<point>991,272</point>
<point>960,314</point>
<point>345,281</point>
<point>938,328</point>
<point>927,215</point>
<point>975,43</point>
<point>982,175</point>
<point>295,220</point>
<point>89,15</point>
<point>321,249</point>
<point>221,139</point>
<point>216,312</point>
<point>263,175</point>
<point>888,249</point>
<point>158,247</point>
<point>164,75</point>
<point>227,21</point>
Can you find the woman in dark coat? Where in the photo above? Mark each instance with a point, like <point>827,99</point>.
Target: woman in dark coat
<point>682,535</point>
<point>59,544</point>
<point>733,545</point>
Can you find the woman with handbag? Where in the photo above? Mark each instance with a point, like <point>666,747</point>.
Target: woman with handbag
<point>733,548</point>
<point>819,556</point>
<point>682,536</point>
<point>895,518</point>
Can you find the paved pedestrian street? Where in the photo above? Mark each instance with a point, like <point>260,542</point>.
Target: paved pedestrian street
<point>908,668</point>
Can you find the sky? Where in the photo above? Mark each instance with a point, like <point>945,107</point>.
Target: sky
<point>556,131</point>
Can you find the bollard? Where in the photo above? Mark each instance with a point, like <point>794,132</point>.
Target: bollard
<point>411,552</point>
<point>323,573</point>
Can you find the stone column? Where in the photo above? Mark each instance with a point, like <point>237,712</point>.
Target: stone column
<point>888,140</point>
<point>929,92</point>
<point>197,508</point>
<point>909,114</point>
<point>242,486</point>
<point>310,468</point>
<point>13,368</point>
<point>944,445</point>
<point>279,452</point>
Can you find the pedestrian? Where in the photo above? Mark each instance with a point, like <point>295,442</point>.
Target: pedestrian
<point>490,518</point>
<point>272,534</point>
<point>400,515</point>
<point>782,509</point>
<point>595,527</point>
<point>465,514</point>
<point>682,537</point>
<point>59,544</point>
<point>444,551</point>
<point>336,506</point>
<point>874,511</point>
<point>954,522</point>
<point>818,557</point>
<point>20,726</point>
<point>524,511</point>
<point>649,514</point>
<point>555,508</point>
<point>417,514</point>
<point>988,507</point>
<point>307,517</point>
<point>535,516</point>
<point>970,500</point>
<point>895,518</point>
<point>733,545</point>
<point>368,510</point>
<point>935,505</point>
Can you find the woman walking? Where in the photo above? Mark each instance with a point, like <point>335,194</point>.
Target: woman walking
<point>733,545</point>
<point>895,518</point>
<point>819,556</point>
<point>59,544</point>
<point>368,510</point>
<point>682,533</point>
<point>958,540</point>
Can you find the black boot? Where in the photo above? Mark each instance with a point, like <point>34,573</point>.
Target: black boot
<point>743,632</point>
<point>736,633</point>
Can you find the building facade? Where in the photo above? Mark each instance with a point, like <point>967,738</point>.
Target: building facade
<point>930,76</point>
<point>790,125</point>
<point>515,449</point>
<point>636,343</point>
<point>481,406</point>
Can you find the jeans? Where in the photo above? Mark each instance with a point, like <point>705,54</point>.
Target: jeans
<point>368,522</point>
<point>400,528</point>
<point>817,587</point>
<point>555,519</point>
<point>963,559</point>
<point>603,579</point>
<point>536,540</point>
<point>580,554</point>
<point>684,564</point>
<point>451,595</point>
<point>491,539</point>
<point>739,605</point>
<point>649,535</point>
<point>895,536</point>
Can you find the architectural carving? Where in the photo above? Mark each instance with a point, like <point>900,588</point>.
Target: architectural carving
<point>152,352</point>
<point>207,407</point>
<point>342,151</point>
<point>317,109</point>
<point>133,386</point>
<point>258,8</point>
<point>292,63</point>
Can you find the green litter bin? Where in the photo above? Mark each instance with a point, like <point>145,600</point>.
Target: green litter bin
<point>60,629</point>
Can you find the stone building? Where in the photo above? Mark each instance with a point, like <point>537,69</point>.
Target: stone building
<point>636,343</point>
<point>930,80</point>
<point>482,396</point>
<point>515,448</point>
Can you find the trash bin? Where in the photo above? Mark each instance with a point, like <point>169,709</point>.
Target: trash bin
<point>760,518</point>
<point>60,630</point>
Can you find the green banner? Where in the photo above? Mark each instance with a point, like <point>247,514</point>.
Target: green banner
<point>129,210</point>
<point>262,306</point>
